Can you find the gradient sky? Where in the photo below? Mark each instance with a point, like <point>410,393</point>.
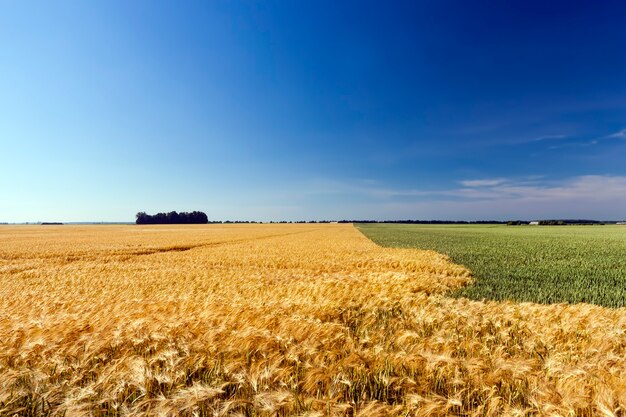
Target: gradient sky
<point>311,110</point>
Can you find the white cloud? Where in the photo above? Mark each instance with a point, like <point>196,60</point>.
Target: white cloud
<point>600,197</point>
<point>548,137</point>
<point>588,187</point>
<point>483,183</point>
<point>618,135</point>
<point>578,144</point>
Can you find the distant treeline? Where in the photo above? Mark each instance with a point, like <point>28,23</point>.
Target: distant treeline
<point>195,217</point>
<point>198,217</point>
<point>567,222</point>
<point>425,221</point>
<point>393,221</point>
<point>510,222</point>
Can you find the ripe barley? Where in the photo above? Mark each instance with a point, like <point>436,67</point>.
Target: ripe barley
<point>281,320</point>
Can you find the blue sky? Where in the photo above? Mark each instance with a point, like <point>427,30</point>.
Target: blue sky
<point>310,110</point>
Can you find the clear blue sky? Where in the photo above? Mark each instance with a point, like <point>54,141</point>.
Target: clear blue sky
<point>312,109</point>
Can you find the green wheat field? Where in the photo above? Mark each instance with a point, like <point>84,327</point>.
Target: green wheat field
<point>545,264</point>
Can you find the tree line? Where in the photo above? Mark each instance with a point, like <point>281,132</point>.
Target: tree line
<point>566,222</point>
<point>425,221</point>
<point>195,217</point>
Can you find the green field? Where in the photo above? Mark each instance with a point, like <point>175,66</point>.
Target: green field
<point>545,264</point>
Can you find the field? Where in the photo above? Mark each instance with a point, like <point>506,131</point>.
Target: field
<point>544,264</point>
<point>281,320</point>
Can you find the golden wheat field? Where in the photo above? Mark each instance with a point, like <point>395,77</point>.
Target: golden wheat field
<point>281,320</point>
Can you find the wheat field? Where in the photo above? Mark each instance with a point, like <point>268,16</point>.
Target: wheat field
<point>281,320</point>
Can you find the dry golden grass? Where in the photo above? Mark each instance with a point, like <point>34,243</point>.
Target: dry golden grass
<point>278,320</point>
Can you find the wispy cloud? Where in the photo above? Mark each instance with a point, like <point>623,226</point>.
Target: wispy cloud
<point>587,187</point>
<point>582,143</point>
<point>600,197</point>
<point>587,196</point>
<point>517,140</point>
<point>483,183</point>
<point>547,138</point>
<point>617,135</point>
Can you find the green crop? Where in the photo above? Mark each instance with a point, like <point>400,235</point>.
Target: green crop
<point>545,264</point>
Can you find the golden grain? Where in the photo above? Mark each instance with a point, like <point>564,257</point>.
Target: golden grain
<point>266,320</point>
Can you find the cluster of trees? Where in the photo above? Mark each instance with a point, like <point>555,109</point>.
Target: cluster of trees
<point>195,217</point>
